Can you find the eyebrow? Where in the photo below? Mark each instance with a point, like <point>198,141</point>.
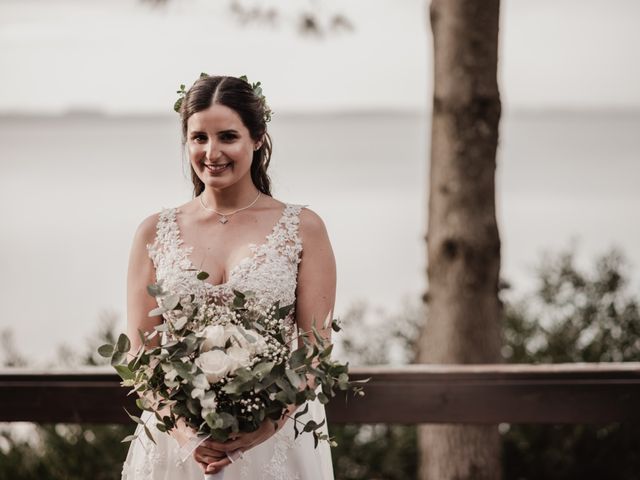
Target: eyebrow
<point>221,131</point>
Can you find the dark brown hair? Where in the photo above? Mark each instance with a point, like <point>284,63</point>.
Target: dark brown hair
<point>238,95</point>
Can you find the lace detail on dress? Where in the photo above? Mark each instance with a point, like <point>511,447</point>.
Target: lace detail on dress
<point>271,272</point>
<point>277,467</point>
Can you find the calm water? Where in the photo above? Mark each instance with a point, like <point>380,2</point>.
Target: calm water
<point>73,190</point>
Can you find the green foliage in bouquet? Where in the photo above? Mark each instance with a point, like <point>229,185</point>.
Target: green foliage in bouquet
<point>224,369</point>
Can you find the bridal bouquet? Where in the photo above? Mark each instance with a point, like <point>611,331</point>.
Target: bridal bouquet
<point>224,369</point>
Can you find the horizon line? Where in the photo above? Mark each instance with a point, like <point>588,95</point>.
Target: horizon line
<point>88,112</point>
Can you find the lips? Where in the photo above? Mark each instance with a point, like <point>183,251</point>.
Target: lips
<point>216,167</point>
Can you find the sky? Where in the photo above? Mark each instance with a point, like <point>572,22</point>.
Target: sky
<point>124,56</point>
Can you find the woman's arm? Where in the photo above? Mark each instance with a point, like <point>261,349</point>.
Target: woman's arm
<point>316,292</point>
<point>141,273</point>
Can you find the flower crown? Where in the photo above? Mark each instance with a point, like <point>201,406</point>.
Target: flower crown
<point>257,90</point>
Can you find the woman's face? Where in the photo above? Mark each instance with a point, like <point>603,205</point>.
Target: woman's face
<point>220,147</point>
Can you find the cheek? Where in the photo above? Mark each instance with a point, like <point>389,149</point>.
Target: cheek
<point>194,151</point>
<point>236,150</point>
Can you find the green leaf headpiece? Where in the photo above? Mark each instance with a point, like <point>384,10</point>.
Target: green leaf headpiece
<point>256,87</point>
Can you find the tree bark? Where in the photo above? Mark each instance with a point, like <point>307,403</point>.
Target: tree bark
<point>463,243</point>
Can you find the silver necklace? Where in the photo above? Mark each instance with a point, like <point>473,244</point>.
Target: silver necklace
<point>224,216</point>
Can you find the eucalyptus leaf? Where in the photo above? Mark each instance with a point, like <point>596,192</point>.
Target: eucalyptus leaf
<point>238,302</point>
<point>154,289</point>
<point>293,377</point>
<point>282,397</point>
<point>134,418</point>
<point>118,357</point>
<point>171,301</point>
<point>128,438</point>
<point>192,405</point>
<point>123,344</point>
<point>140,403</point>
<point>157,311</point>
<point>283,311</point>
<point>326,353</point>
<point>298,357</point>
<point>299,413</point>
<point>202,275</point>
<point>310,425</point>
<point>262,369</point>
<point>124,372</point>
<point>229,421</point>
<point>148,432</point>
<point>106,350</point>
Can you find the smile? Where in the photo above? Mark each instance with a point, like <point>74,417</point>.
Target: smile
<point>216,167</point>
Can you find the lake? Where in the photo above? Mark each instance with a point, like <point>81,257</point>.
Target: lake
<point>74,188</point>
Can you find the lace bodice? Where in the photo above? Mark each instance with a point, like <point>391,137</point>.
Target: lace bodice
<point>270,270</point>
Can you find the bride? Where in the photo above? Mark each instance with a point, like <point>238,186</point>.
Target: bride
<point>245,239</point>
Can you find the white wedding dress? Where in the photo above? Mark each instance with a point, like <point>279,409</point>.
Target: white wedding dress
<point>271,272</point>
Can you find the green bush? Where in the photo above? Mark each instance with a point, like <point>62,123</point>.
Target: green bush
<point>574,316</point>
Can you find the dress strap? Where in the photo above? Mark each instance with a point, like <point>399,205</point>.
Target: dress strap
<point>166,234</point>
<point>287,235</point>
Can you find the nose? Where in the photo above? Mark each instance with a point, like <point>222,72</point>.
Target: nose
<point>212,149</point>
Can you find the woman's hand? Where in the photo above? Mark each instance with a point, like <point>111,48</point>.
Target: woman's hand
<point>239,444</point>
<point>209,458</point>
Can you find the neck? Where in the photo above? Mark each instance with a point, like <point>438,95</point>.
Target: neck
<point>230,198</point>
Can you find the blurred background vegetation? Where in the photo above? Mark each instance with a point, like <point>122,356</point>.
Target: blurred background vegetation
<point>573,315</point>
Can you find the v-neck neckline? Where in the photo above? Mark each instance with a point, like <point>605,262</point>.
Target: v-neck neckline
<point>188,250</point>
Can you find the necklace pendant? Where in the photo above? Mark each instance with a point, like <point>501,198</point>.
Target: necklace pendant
<point>223,219</point>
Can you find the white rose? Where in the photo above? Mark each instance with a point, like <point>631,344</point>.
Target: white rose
<point>215,336</point>
<point>239,355</point>
<point>215,364</point>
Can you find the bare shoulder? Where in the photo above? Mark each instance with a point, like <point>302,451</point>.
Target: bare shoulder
<point>312,227</point>
<point>146,231</point>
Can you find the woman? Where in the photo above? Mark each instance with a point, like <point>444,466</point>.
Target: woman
<point>244,239</point>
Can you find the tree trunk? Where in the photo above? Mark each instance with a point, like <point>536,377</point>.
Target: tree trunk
<point>463,244</point>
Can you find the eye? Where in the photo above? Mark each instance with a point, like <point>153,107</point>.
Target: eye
<point>199,137</point>
<point>228,136</point>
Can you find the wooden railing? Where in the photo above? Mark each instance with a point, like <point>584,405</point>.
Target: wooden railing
<point>556,393</point>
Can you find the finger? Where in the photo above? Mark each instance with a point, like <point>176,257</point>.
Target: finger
<point>203,466</point>
<point>219,446</point>
<point>210,451</point>
<point>206,459</point>
<point>220,464</point>
<point>241,444</point>
<point>231,446</point>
